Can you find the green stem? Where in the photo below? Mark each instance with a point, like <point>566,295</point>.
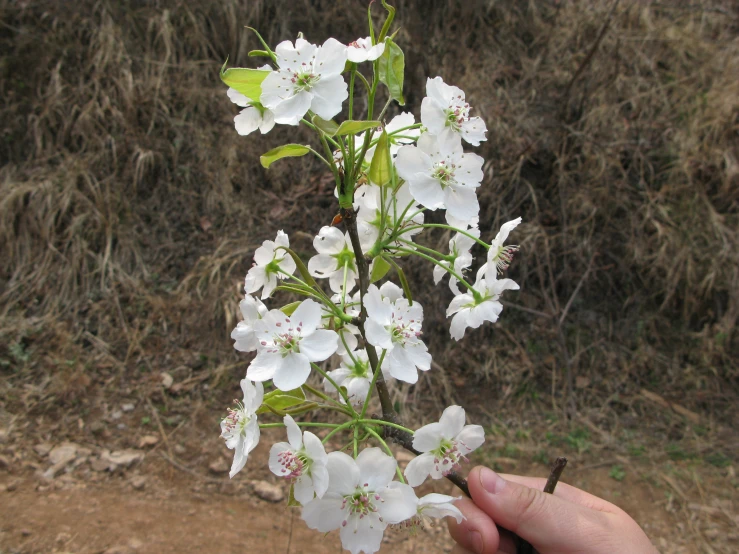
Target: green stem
<point>339,389</point>
<point>337,429</point>
<point>299,423</point>
<point>429,250</point>
<point>372,385</point>
<point>324,160</point>
<point>386,423</point>
<point>449,227</point>
<point>323,396</point>
<point>436,262</point>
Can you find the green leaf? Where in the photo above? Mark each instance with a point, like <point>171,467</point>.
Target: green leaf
<point>278,401</point>
<point>247,81</point>
<point>284,151</point>
<point>354,127</point>
<point>392,67</point>
<point>328,127</point>
<point>288,309</point>
<point>380,171</point>
<point>259,54</point>
<point>380,267</point>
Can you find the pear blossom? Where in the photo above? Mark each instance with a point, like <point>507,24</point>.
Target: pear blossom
<point>432,505</point>
<point>445,112</point>
<point>240,428</point>
<point>361,501</point>
<point>459,249</point>
<point>288,345</point>
<point>361,50</point>
<point>355,374</point>
<point>270,261</point>
<point>335,258</point>
<point>443,445</point>
<point>302,460</point>
<point>441,175</point>
<point>396,328</point>
<point>254,116</point>
<point>471,311</point>
<point>252,309</point>
<point>309,78</point>
<point>499,256</point>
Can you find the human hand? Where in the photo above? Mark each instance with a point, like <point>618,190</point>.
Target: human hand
<point>570,521</point>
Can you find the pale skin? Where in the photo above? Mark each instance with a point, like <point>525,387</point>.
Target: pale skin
<point>570,521</point>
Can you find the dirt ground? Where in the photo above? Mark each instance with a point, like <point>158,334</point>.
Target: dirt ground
<point>176,496</point>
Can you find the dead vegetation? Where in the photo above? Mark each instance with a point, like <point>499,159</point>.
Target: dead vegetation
<point>129,208</point>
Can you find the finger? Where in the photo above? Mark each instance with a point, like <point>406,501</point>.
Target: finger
<point>507,545</point>
<point>566,492</point>
<point>540,518</point>
<point>460,550</point>
<point>477,533</point>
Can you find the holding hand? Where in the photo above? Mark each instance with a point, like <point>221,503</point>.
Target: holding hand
<point>570,521</point>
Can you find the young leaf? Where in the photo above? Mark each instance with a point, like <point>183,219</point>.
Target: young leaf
<point>278,401</point>
<point>381,166</point>
<point>247,81</point>
<point>328,127</point>
<point>403,281</point>
<point>307,277</point>
<point>288,309</point>
<point>285,151</point>
<point>354,127</point>
<point>259,54</point>
<point>392,67</point>
<point>380,267</point>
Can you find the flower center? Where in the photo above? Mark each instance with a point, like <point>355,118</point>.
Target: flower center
<point>361,503</point>
<point>444,173</point>
<point>345,258</point>
<point>359,369</point>
<point>235,421</point>
<point>304,79</point>
<point>404,331</point>
<point>294,464</point>
<point>457,113</point>
<point>286,339</point>
<point>504,257</point>
<point>447,457</point>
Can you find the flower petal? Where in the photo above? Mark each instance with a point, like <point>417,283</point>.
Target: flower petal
<point>264,366</point>
<point>470,438</point>
<point>303,489</point>
<point>363,535</point>
<point>328,95</point>
<point>452,421</point>
<point>292,373</point>
<point>307,316</point>
<point>330,58</point>
<point>319,345</point>
<point>427,437</point>
<point>323,514</point>
<point>418,469</point>
<point>247,121</point>
<point>400,503</point>
<point>343,474</point>
<point>294,435</point>
<point>376,468</point>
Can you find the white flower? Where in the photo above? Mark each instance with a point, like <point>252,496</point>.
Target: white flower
<point>444,445</point>
<point>252,117</point>
<point>361,500</point>
<point>361,50</point>
<point>240,428</point>
<point>335,253</point>
<point>444,112</point>
<point>309,78</point>
<point>355,374</point>
<point>269,261</point>
<point>499,256</point>
<point>288,345</point>
<point>302,460</point>
<point>459,249</point>
<point>471,312</point>
<point>253,310</point>
<point>441,175</point>
<point>396,327</point>
<point>432,506</point>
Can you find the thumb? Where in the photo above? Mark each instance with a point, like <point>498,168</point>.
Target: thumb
<point>548,522</point>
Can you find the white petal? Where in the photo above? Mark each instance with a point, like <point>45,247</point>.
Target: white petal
<point>362,535</point>
<point>427,190</point>
<point>237,98</point>
<point>376,51</point>
<point>411,161</point>
<point>314,448</point>
<point>291,110</point>
<point>452,421</point>
<point>322,265</point>
<point>323,514</point>
<point>427,437</point>
<point>461,202</point>
<point>377,310</point>
<point>276,87</point>
<point>439,506</point>
<point>255,279</point>
<point>418,469</point>
<point>247,121</point>
<point>238,463</point>
<point>401,366</point>
<point>320,479</point>
<point>473,131</point>
<point>292,373</point>
<point>329,240</point>
<point>268,121</point>
<point>303,489</point>
<point>343,474</point>
<point>292,57</point>
<point>319,345</point>
<point>294,435</point>
<point>376,468</point>
<point>253,395</point>
<point>330,58</point>
<point>328,95</point>
<point>307,316</point>
<point>471,438</point>
<point>264,366</point>
<point>419,355</point>
<point>469,169</point>
<point>432,116</point>
<point>274,462</point>
<point>400,503</point>
<point>458,325</point>
<point>391,291</point>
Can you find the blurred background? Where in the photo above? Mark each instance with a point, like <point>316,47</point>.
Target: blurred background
<point>130,210</point>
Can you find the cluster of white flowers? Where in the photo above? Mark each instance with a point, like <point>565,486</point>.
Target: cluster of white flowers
<point>361,335</point>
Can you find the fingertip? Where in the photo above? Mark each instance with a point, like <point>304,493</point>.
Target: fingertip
<point>477,532</point>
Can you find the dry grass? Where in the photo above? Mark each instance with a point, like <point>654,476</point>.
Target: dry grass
<point>129,207</point>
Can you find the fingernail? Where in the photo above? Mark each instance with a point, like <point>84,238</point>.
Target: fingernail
<point>475,539</point>
<point>491,481</point>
